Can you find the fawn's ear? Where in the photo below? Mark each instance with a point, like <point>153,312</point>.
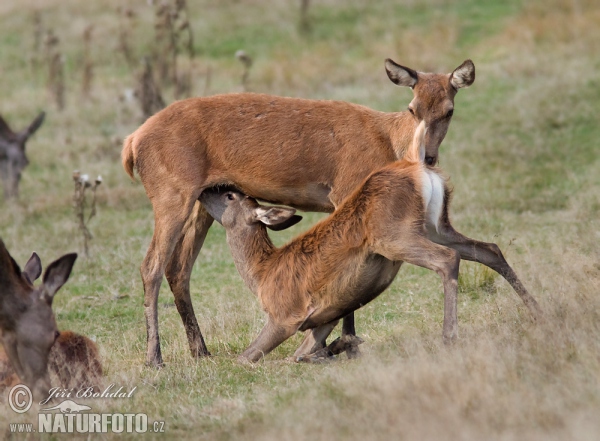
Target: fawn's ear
<point>463,75</point>
<point>33,268</point>
<point>56,275</point>
<point>276,218</point>
<point>400,75</point>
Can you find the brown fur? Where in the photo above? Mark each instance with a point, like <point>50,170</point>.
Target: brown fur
<point>73,363</point>
<point>342,262</point>
<point>28,331</point>
<point>347,259</point>
<point>307,154</point>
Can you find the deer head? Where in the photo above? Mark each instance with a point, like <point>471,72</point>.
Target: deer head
<point>26,318</point>
<point>234,210</point>
<point>12,154</point>
<point>433,99</point>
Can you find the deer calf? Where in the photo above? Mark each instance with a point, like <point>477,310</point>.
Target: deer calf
<point>37,351</point>
<point>347,259</point>
<point>12,154</point>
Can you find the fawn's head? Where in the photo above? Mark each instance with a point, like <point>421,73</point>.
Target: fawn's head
<point>13,159</point>
<point>433,99</point>
<point>236,211</point>
<point>26,317</point>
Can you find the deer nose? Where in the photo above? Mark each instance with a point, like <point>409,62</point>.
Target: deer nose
<point>430,160</point>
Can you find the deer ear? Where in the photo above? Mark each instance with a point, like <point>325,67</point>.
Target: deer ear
<point>463,75</point>
<point>33,268</point>
<point>276,218</point>
<point>35,124</point>
<point>400,75</point>
<point>5,131</point>
<point>56,275</point>
<point>286,224</point>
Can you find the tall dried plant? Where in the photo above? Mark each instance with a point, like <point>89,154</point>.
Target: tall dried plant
<point>38,34</point>
<point>304,24</point>
<point>82,183</point>
<point>246,61</point>
<point>56,75</point>
<point>148,91</point>
<point>88,65</point>
<point>173,36</point>
<point>126,24</point>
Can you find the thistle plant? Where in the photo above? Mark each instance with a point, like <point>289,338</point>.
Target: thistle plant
<point>82,183</point>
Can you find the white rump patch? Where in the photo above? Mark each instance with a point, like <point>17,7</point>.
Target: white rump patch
<point>433,197</point>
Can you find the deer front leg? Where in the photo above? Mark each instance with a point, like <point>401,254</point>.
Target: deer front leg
<point>271,336</point>
<point>488,254</point>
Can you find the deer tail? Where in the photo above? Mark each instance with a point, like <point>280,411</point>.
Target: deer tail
<point>127,156</point>
<point>416,151</point>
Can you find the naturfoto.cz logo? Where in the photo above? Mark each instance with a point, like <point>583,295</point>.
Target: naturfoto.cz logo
<point>70,417</point>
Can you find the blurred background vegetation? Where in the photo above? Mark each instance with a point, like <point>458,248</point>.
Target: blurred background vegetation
<point>522,153</point>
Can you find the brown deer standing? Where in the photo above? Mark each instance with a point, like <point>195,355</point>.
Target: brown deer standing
<point>304,153</point>
<point>347,259</point>
<point>29,334</point>
<point>13,159</point>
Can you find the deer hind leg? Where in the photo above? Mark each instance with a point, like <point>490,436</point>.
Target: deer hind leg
<point>170,214</point>
<point>179,270</point>
<point>488,254</point>
<point>418,250</point>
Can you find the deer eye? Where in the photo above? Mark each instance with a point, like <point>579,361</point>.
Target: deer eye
<point>450,113</point>
<point>230,197</point>
<point>412,112</point>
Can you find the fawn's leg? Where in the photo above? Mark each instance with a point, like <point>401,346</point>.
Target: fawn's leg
<point>418,250</point>
<point>488,254</point>
<point>271,336</point>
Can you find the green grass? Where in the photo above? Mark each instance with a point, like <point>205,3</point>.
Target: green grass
<point>523,158</point>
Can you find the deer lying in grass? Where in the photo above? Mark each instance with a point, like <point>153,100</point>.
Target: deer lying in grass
<point>73,363</point>
<point>12,154</point>
<point>29,334</point>
<point>347,259</point>
<point>307,154</point>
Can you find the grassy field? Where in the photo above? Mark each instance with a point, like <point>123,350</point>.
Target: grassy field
<point>522,153</point>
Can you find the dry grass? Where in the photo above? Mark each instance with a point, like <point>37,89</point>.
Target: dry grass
<point>521,153</point>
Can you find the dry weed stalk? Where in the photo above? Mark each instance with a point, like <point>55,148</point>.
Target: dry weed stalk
<point>126,24</point>
<point>38,32</point>
<point>246,60</point>
<point>56,76</point>
<point>148,91</point>
<point>82,183</point>
<point>173,35</point>
<point>88,65</point>
<point>304,20</point>
<point>207,80</point>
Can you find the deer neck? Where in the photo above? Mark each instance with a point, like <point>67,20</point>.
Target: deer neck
<point>250,250</point>
<point>401,127</point>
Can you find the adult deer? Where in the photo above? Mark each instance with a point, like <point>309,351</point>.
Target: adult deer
<point>347,259</point>
<point>13,159</point>
<point>27,324</point>
<point>307,154</point>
